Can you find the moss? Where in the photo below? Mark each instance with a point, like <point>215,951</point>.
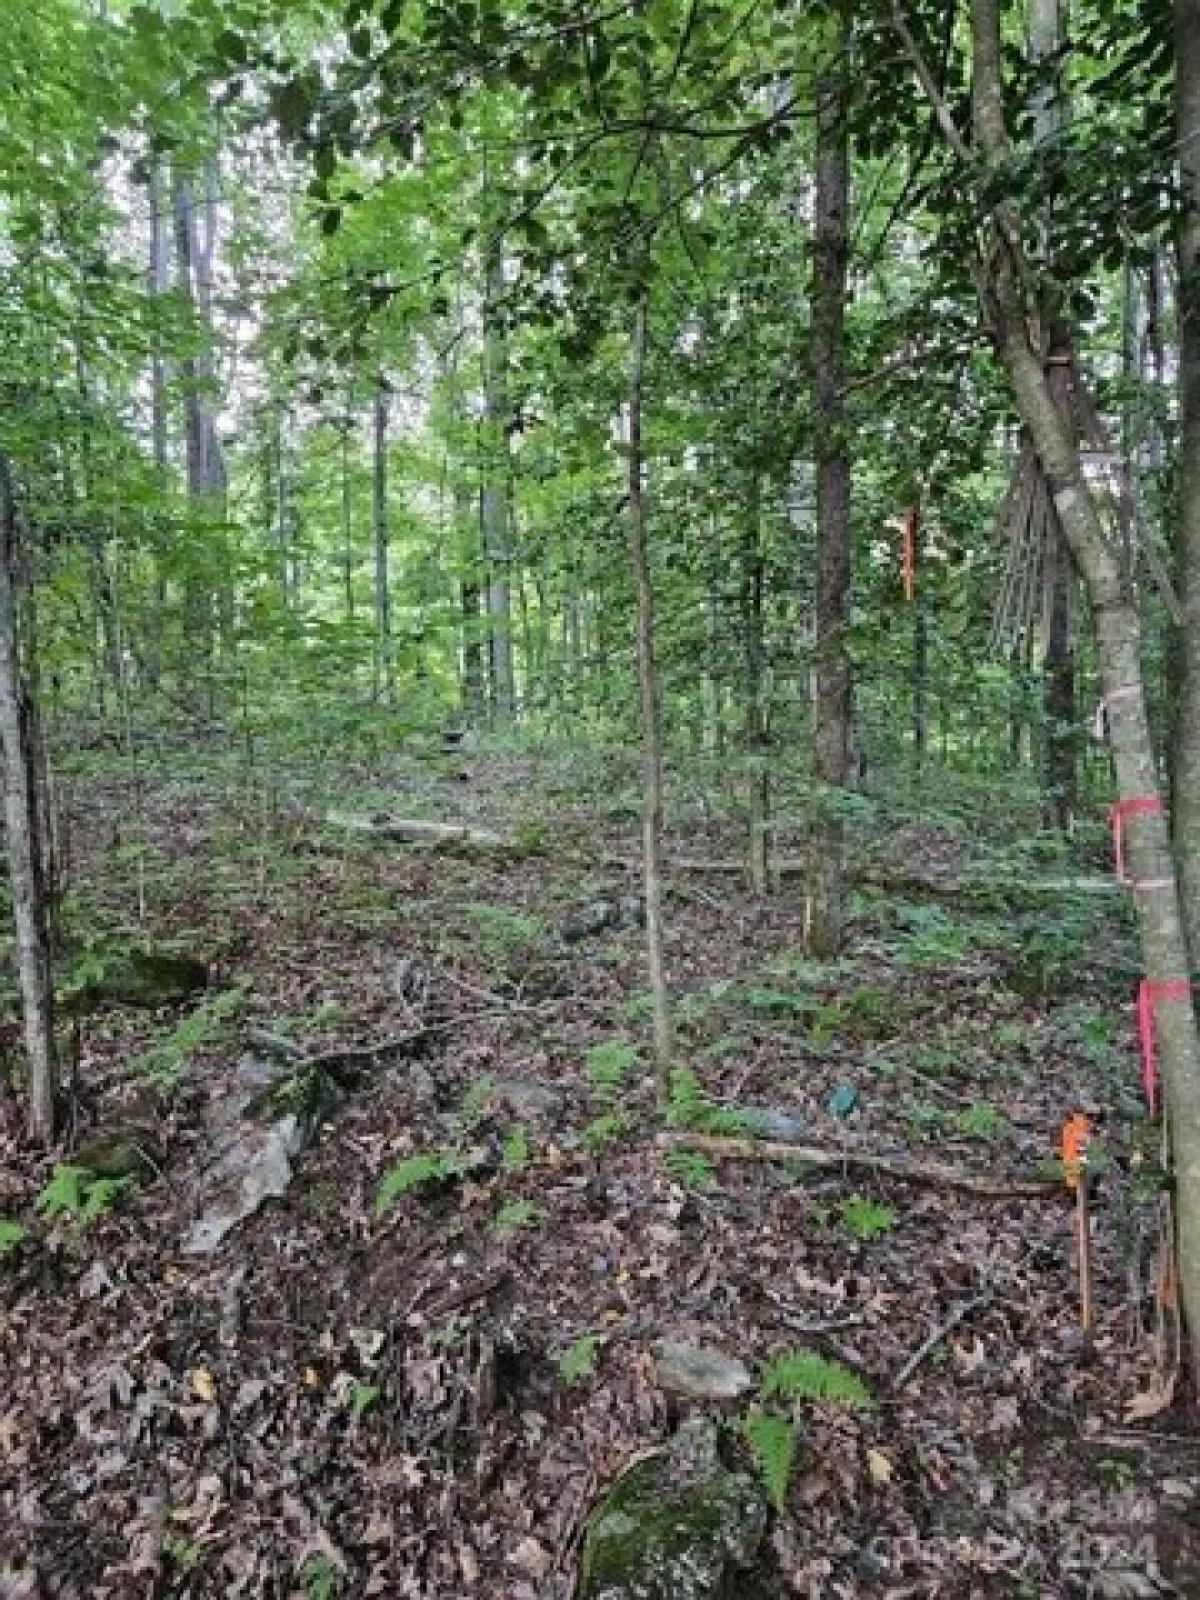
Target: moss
<point>676,1527</point>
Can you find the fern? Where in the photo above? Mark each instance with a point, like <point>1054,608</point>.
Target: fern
<point>415,1172</point>
<point>688,1106</point>
<point>608,1064</point>
<point>690,1170</point>
<point>772,1442</point>
<point>11,1235</point>
<point>866,1219</point>
<point>602,1131</point>
<point>807,1375</point>
<point>78,1193</point>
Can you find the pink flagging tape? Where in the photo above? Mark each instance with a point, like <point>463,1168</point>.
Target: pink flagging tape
<point>1151,990</point>
<point>1138,805</point>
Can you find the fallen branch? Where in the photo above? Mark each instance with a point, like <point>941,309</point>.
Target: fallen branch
<point>418,830</point>
<point>887,1166</point>
<point>940,1333</point>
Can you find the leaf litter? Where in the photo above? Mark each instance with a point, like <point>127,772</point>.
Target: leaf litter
<point>346,1399</point>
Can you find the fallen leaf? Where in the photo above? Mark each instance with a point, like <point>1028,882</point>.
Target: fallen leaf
<point>1151,1402</point>
<point>532,1558</point>
<point>203,1385</point>
<point>879,1467</point>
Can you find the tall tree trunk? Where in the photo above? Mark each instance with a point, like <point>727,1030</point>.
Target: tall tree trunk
<point>157,278</point>
<point>23,826</point>
<point>755,725</point>
<point>652,756</point>
<point>832,710</point>
<point>494,502</point>
<point>1047,34</point>
<point>1187,725</point>
<point>713,710</point>
<point>205,471</point>
<point>347,516</point>
<point>1004,277</point>
<point>384,664</point>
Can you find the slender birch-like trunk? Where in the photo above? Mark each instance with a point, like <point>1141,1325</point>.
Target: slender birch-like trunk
<point>1005,282</point>
<point>652,756</point>
<point>23,826</point>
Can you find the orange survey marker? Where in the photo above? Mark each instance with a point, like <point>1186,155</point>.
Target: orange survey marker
<point>1076,1131</point>
<point>1076,1135</point>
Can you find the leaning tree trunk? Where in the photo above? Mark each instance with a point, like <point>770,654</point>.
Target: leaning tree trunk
<point>22,813</point>
<point>832,710</point>
<point>652,815</point>
<point>1187,727</point>
<point>1004,280</point>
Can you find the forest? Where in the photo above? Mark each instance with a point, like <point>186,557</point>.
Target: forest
<point>600,735</point>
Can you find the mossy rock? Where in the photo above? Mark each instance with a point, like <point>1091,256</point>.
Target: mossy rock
<point>125,1152</point>
<point>147,979</point>
<point>678,1526</point>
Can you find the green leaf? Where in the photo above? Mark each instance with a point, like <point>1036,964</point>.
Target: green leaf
<point>415,1172</point>
<point>578,1360</point>
<point>772,1442</point>
<point>11,1235</point>
<point>803,1374</point>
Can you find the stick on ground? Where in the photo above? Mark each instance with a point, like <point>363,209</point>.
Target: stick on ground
<point>888,1166</point>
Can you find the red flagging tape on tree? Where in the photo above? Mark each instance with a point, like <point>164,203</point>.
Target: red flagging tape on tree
<point>1150,991</point>
<point>1138,805</point>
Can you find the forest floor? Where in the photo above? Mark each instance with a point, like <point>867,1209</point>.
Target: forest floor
<point>424,1400</point>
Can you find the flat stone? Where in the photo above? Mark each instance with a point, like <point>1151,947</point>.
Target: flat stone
<point>701,1372</point>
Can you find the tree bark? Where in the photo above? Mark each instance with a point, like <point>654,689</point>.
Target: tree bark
<point>1004,278</point>
<point>652,760</point>
<point>494,502</point>
<point>384,666</point>
<point>832,711</point>
<point>23,823</point>
<point>755,727</point>
<point>1187,727</point>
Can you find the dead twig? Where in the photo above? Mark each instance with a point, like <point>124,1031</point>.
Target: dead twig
<point>939,1334</point>
<point>887,1166</point>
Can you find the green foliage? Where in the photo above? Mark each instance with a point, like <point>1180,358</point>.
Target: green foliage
<point>503,933</point>
<point>603,1131</point>
<point>866,1219</point>
<point>608,1066</point>
<point>578,1361</point>
<point>75,1192</point>
<point>688,1106</point>
<point>475,1100</point>
<point>806,1375</point>
<point>320,1579</point>
<point>364,1397</point>
<point>12,1234</point>
<point>165,1062</point>
<point>514,1150</point>
<point>691,1170</point>
<point>772,1442</point>
<point>980,1120</point>
<point>514,1215</point>
<point>427,1170</point>
<point>181,1554</point>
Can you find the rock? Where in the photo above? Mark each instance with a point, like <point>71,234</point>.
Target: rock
<point>764,1122</point>
<point>527,1097</point>
<point>147,978</point>
<point>701,1372</point>
<point>678,1526</point>
<point>255,1166</point>
<point>125,1152</point>
<point>601,916</point>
